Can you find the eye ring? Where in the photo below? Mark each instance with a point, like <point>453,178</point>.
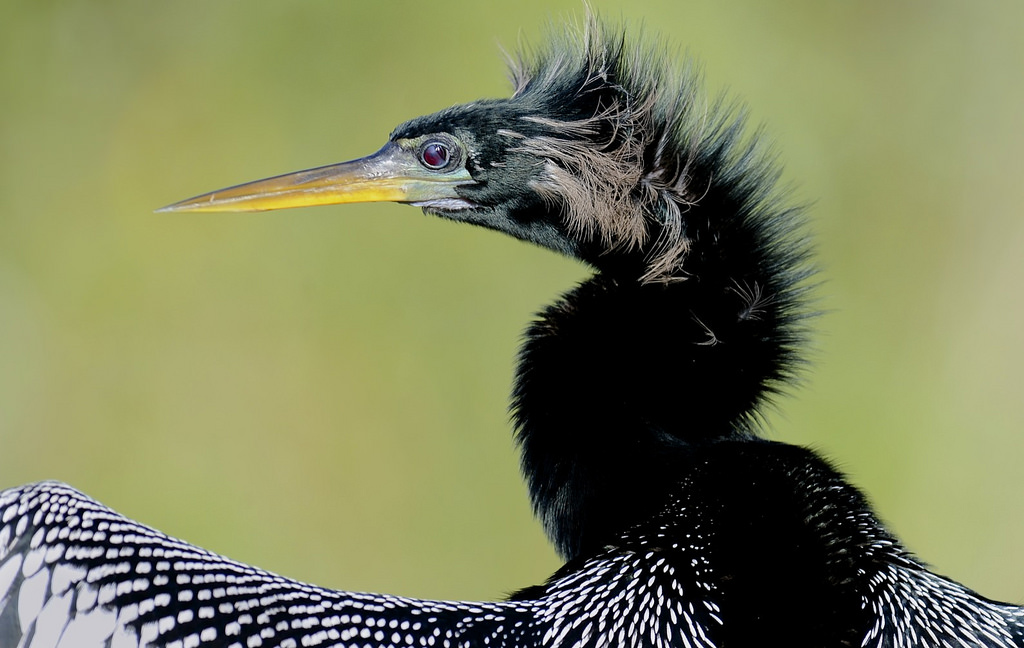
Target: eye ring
<point>435,155</point>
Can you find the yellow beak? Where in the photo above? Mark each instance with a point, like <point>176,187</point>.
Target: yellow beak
<point>392,174</point>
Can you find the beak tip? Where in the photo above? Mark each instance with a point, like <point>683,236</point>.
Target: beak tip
<point>196,205</point>
<point>192,204</point>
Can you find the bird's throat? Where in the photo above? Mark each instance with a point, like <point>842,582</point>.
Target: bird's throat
<point>618,381</point>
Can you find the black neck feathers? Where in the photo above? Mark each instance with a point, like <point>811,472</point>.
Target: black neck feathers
<point>620,380</point>
<point>693,319</point>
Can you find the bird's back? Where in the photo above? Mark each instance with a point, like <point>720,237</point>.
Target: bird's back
<point>752,548</point>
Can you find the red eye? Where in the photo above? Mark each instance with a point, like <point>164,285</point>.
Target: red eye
<point>435,155</point>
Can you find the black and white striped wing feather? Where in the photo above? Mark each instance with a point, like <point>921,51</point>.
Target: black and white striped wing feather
<point>75,574</point>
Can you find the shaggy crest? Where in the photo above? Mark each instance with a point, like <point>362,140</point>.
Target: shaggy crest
<point>644,149</point>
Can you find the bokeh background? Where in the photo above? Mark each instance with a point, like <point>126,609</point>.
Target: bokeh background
<point>323,392</point>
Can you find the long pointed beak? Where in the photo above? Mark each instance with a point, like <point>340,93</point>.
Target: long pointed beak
<point>391,174</point>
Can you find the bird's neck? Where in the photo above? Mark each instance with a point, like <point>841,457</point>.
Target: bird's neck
<point>619,381</point>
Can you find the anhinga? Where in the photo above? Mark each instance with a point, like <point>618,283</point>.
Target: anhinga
<point>635,405</point>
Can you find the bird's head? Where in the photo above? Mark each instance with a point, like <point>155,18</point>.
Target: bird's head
<point>607,153</point>
<point>600,154</point>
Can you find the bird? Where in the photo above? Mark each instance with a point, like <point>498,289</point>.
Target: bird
<point>638,405</point>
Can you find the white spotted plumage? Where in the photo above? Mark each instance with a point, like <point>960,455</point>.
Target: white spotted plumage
<point>73,573</point>
<point>913,607</point>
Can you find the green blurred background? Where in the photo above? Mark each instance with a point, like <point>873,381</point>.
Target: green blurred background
<point>323,392</point>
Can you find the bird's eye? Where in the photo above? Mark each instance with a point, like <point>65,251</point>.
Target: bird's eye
<point>435,155</point>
